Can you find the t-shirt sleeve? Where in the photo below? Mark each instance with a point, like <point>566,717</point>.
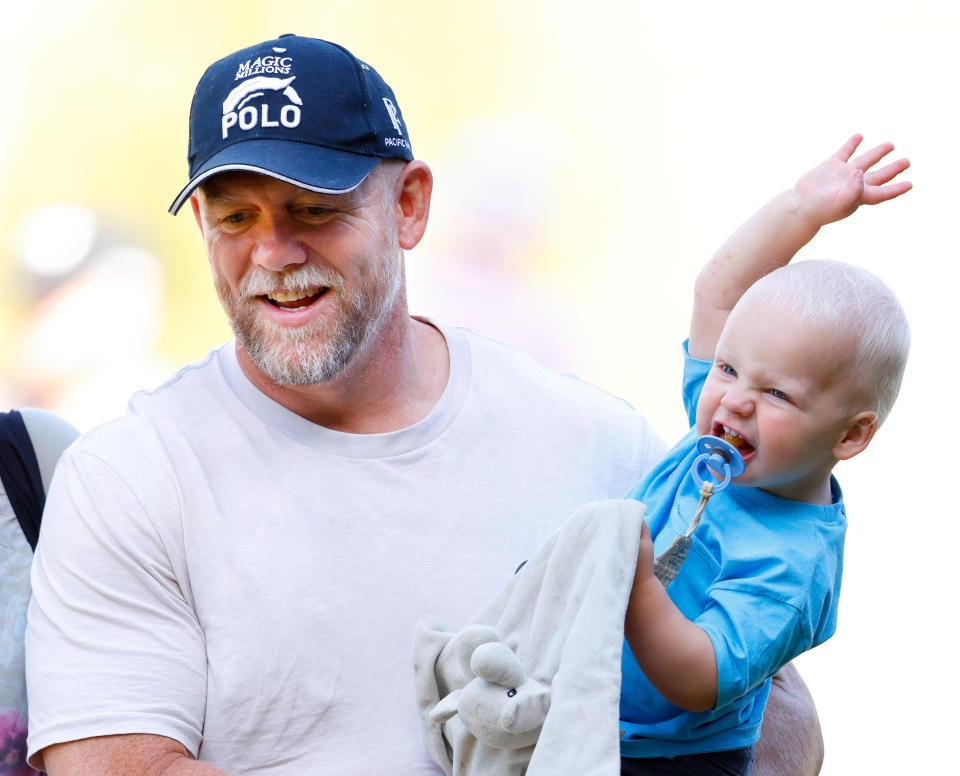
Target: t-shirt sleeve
<point>113,645</point>
<point>753,637</point>
<point>695,374</point>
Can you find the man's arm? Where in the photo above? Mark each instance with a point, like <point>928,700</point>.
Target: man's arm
<point>790,742</point>
<point>112,641</point>
<point>772,236</point>
<point>128,755</point>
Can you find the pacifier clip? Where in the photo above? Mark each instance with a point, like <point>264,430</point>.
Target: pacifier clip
<point>715,455</point>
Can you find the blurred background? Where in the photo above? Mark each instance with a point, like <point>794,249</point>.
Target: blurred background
<point>589,156</point>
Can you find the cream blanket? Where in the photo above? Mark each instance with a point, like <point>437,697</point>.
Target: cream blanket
<point>562,614</point>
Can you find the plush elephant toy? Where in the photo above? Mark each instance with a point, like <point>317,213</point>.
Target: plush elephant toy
<point>500,706</point>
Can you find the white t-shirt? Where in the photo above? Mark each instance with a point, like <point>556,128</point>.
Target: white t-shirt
<point>217,569</point>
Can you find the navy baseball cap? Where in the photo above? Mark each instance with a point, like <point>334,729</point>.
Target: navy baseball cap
<point>302,110</point>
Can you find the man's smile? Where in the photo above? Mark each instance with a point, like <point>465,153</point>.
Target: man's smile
<point>295,300</point>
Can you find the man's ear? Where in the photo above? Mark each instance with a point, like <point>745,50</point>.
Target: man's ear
<point>857,436</point>
<point>412,195</point>
<point>195,204</point>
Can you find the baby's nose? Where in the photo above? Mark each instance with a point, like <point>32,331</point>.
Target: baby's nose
<point>738,401</point>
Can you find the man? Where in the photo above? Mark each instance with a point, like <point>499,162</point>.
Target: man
<point>230,573</point>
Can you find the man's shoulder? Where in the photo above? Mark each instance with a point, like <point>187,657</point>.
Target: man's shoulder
<point>134,432</point>
<point>185,381</point>
<point>510,368</point>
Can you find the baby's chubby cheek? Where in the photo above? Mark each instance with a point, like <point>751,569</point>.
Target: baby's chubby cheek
<point>704,416</point>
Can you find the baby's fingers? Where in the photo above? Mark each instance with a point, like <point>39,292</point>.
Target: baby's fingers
<point>847,149</point>
<point>886,174</point>
<point>869,158</point>
<point>875,194</point>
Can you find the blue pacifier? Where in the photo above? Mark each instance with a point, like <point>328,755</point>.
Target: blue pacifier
<point>720,456</point>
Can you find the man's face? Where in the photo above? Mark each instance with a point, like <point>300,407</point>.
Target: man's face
<point>304,278</point>
<point>780,395</point>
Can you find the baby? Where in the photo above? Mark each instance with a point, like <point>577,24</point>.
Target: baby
<point>796,366</point>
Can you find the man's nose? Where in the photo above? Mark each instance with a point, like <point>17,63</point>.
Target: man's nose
<point>277,246</point>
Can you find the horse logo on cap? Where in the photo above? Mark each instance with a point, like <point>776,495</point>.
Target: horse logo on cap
<point>236,111</point>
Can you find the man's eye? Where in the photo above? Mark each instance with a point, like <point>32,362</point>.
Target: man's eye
<point>235,218</point>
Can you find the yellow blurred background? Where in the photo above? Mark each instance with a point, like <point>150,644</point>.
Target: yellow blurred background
<point>589,156</point>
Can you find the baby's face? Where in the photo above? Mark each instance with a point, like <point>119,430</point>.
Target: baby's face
<point>781,396</point>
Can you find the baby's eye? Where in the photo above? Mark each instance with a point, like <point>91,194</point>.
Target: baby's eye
<point>727,369</point>
<point>779,395</point>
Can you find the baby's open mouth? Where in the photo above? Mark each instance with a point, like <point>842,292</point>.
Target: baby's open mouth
<point>295,300</point>
<point>732,437</point>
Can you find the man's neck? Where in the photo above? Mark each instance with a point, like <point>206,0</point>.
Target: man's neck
<point>394,381</point>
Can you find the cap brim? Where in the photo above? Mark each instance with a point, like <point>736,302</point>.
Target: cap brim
<point>325,170</point>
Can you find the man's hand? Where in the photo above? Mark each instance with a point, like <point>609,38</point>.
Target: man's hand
<point>835,188</point>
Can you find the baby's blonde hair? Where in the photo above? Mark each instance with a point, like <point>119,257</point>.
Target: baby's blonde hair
<point>845,301</point>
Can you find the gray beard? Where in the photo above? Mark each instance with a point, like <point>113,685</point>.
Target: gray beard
<point>320,350</point>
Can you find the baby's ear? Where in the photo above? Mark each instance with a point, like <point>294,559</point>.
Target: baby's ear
<point>857,436</point>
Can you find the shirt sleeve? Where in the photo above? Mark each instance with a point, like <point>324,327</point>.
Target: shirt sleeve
<point>695,374</point>
<point>753,637</point>
<point>113,643</point>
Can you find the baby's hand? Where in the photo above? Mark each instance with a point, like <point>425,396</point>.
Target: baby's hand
<point>644,557</point>
<point>835,188</point>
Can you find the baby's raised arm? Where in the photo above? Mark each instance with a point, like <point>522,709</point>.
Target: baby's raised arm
<point>772,236</point>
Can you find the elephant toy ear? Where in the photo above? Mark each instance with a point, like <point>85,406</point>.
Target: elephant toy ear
<point>446,708</point>
<point>467,641</point>
<point>497,663</point>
